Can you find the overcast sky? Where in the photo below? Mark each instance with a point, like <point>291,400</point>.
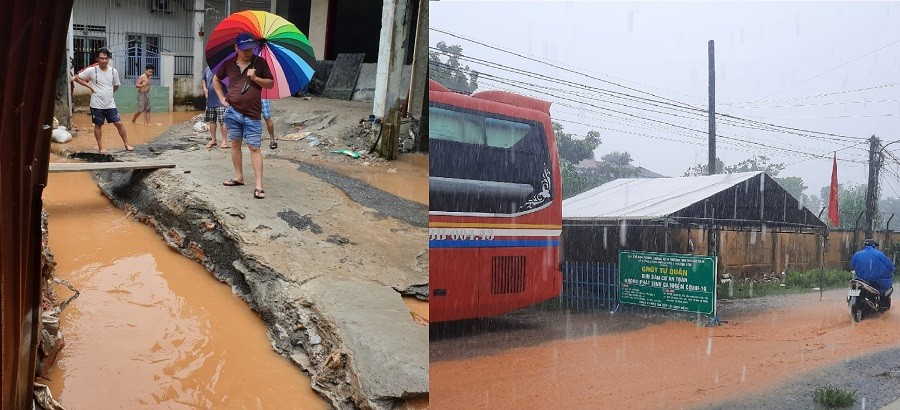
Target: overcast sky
<point>776,58</point>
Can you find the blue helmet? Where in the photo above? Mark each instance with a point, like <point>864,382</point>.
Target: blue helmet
<point>870,242</point>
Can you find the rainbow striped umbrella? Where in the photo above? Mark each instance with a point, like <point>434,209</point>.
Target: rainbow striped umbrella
<point>281,44</point>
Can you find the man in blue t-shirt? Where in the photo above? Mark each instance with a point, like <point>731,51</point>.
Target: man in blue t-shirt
<point>871,265</point>
<point>215,112</point>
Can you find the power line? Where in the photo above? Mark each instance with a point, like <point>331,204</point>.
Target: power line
<point>827,117</point>
<point>813,96</point>
<point>737,121</point>
<point>531,74</point>
<point>818,105</point>
<point>531,87</point>
<point>550,64</point>
<point>835,68</point>
<point>683,106</point>
<point>696,135</point>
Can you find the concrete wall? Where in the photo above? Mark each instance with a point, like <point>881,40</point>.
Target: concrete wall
<point>365,83</point>
<point>126,99</point>
<point>184,94</point>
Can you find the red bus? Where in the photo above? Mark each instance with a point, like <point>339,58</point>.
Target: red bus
<point>495,204</point>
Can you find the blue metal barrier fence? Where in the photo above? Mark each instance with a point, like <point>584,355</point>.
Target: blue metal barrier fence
<point>589,285</point>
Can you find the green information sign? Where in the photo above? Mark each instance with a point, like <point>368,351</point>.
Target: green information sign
<point>668,281</point>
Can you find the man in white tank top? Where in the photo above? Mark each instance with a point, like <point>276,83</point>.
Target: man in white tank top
<point>103,81</point>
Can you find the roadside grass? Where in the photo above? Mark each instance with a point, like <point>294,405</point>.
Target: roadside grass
<point>794,282</point>
<point>834,396</point>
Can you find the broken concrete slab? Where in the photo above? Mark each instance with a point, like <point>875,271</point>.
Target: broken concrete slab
<point>280,255</point>
<point>362,313</point>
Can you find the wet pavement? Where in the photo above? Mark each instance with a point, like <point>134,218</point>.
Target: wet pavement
<point>323,259</point>
<point>572,361</point>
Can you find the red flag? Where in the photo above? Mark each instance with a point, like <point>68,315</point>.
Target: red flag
<point>832,197</point>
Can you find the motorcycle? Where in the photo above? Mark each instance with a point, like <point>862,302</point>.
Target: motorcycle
<point>865,300</point>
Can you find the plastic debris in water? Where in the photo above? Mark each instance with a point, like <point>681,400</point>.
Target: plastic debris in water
<point>347,152</point>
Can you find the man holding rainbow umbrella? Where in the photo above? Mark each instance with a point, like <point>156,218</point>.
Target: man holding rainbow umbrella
<point>263,56</point>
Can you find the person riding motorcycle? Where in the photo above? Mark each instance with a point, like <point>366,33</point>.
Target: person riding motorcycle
<point>872,266</point>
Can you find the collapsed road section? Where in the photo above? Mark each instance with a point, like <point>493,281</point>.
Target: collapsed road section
<point>323,266</point>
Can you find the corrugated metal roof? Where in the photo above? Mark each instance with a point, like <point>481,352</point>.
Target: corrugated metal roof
<point>647,198</point>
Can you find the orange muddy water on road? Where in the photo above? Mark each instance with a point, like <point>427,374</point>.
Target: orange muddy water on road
<point>83,139</point>
<point>676,364</point>
<point>152,329</point>
<point>406,177</point>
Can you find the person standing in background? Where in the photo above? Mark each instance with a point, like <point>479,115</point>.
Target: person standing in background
<point>215,112</point>
<point>270,126</point>
<point>103,81</point>
<point>143,98</point>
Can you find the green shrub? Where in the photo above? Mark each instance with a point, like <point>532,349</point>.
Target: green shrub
<point>834,396</point>
<point>813,278</point>
<point>794,282</point>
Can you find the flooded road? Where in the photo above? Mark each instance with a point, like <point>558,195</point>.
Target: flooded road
<point>674,364</point>
<point>405,177</point>
<point>83,137</point>
<point>152,328</point>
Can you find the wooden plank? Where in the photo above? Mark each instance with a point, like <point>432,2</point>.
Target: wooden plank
<point>97,166</point>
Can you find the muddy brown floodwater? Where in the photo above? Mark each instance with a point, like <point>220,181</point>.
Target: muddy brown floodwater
<point>405,177</point>
<point>675,364</point>
<point>83,139</point>
<point>152,328</point>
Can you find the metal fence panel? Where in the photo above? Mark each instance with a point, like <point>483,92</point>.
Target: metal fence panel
<point>135,31</point>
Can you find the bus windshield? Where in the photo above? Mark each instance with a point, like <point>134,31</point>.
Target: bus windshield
<point>486,163</point>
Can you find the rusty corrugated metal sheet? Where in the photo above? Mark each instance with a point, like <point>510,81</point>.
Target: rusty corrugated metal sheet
<point>32,44</point>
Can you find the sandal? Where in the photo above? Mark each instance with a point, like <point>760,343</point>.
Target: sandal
<point>210,144</point>
<point>259,193</point>
<point>232,182</point>
<point>273,145</point>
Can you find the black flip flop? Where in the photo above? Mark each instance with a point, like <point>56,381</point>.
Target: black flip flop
<point>257,192</point>
<point>232,182</point>
<point>273,145</point>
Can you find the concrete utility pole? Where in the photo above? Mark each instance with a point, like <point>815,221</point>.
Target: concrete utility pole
<point>712,248</point>
<point>395,22</point>
<point>418,85</point>
<point>872,189</point>
<point>712,108</point>
<point>199,43</point>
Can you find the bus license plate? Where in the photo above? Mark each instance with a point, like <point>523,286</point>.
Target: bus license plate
<point>853,292</point>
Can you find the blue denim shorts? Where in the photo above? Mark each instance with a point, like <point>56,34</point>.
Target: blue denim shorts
<point>111,115</point>
<point>266,109</point>
<point>243,127</point>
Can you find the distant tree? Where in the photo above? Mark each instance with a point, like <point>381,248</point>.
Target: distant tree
<point>814,203</point>
<point>888,206</point>
<point>702,169</point>
<point>756,163</point>
<point>795,186</point>
<point>612,166</point>
<point>575,149</point>
<point>573,183</point>
<point>444,67</point>
<point>851,204</point>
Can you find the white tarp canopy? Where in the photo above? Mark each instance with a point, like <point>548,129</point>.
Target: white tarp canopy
<point>649,198</point>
